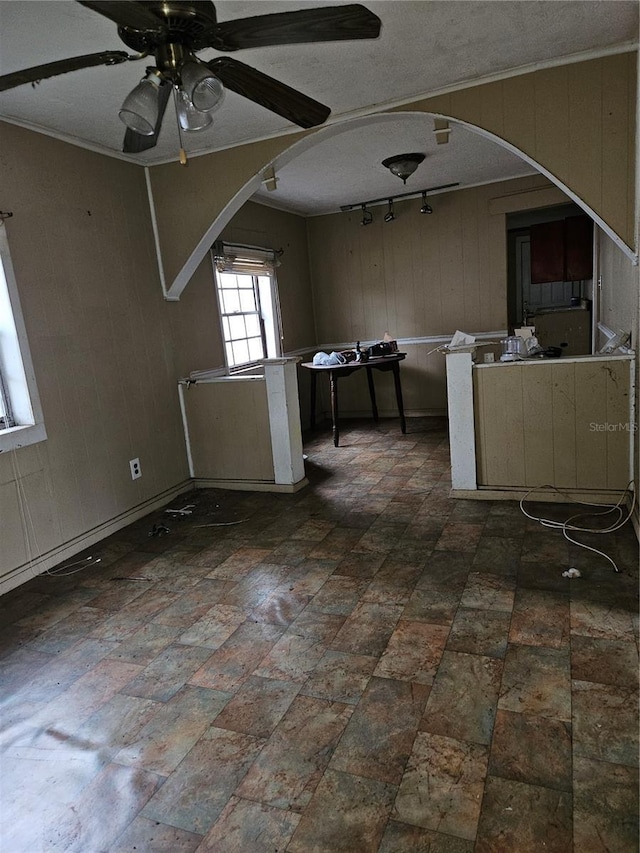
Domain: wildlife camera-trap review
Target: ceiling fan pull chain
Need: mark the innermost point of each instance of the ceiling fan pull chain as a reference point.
(183, 154)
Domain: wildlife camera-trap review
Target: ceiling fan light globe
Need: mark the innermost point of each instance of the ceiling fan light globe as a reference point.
(189, 117)
(208, 95)
(135, 122)
(203, 88)
(141, 107)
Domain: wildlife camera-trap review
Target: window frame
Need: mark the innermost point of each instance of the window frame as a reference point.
(16, 366)
(259, 265)
(228, 335)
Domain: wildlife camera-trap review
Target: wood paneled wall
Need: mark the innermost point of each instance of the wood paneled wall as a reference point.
(195, 318)
(577, 121)
(225, 443)
(188, 199)
(258, 225)
(620, 309)
(417, 276)
(82, 249)
(619, 290)
(554, 423)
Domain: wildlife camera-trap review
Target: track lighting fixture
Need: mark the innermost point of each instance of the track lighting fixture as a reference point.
(390, 215)
(367, 216)
(403, 165)
(426, 208)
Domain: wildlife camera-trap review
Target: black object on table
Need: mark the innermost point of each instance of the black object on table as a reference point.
(335, 371)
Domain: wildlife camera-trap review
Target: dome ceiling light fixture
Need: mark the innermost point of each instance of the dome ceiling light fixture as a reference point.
(403, 165)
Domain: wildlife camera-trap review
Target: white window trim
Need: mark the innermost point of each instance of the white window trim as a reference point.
(260, 263)
(16, 356)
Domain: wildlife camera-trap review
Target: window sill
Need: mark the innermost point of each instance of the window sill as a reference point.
(247, 367)
(21, 436)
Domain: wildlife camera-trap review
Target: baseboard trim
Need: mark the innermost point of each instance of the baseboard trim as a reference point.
(516, 494)
(21, 574)
(250, 485)
(385, 414)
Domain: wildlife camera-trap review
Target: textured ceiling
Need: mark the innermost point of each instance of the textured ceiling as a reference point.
(347, 169)
(423, 47)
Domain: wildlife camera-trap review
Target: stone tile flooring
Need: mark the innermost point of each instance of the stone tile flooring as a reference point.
(367, 665)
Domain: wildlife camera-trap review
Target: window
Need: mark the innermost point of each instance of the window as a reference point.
(248, 301)
(21, 420)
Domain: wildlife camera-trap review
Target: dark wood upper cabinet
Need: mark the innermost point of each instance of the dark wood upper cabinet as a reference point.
(578, 256)
(547, 252)
(562, 250)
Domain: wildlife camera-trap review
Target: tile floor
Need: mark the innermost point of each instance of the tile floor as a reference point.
(367, 665)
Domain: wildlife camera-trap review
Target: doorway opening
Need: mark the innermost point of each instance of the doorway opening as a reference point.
(550, 276)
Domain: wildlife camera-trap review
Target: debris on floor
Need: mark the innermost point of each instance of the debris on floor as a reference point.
(572, 573)
(186, 510)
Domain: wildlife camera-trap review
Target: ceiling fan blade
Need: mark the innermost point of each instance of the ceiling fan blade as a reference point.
(264, 90)
(134, 142)
(62, 66)
(125, 13)
(334, 23)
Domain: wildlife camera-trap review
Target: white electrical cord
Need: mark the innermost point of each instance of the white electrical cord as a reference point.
(442, 348)
(60, 571)
(567, 525)
(28, 527)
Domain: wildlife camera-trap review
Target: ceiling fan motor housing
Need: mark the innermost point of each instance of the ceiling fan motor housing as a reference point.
(180, 23)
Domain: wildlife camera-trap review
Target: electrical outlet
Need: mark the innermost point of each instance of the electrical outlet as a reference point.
(136, 470)
(489, 358)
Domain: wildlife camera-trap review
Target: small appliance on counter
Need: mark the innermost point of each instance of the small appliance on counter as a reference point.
(517, 348)
(514, 348)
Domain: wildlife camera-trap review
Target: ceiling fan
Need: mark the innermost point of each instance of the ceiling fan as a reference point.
(174, 31)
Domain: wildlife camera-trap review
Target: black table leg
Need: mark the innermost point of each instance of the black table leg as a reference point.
(333, 381)
(396, 381)
(372, 394)
(312, 414)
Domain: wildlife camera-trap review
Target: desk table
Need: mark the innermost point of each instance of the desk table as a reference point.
(335, 371)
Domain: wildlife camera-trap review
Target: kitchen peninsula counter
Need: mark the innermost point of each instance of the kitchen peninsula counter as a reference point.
(564, 422)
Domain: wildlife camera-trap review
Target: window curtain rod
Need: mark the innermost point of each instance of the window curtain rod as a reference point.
(220, 246)
(238, 258)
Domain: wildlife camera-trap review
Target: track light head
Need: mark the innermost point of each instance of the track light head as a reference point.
(426, 208)
(367, 216)
(390, 215)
